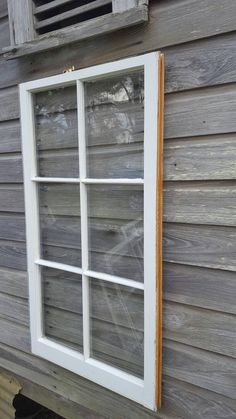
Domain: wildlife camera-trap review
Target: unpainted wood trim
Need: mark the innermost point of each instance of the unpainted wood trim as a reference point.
(159, 229)
(94, 27)
(21, 22)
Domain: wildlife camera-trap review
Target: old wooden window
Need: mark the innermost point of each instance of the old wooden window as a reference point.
(91, 150)
(37, 25)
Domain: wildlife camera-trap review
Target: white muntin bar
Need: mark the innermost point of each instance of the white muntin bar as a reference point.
(59, 266)
(54, 180)
(115, 279)
(84, 218)
(114, 181)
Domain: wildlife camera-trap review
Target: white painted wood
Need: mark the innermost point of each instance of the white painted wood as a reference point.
(55, 180)
(31, 212)
(150, 268)
(115, 279)
(123, 181)
(141, 391)
(84, 218)
(60, 266)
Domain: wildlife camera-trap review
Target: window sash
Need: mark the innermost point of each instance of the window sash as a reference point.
(142, 391)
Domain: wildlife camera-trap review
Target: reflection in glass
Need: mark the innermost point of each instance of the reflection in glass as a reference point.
(56, 132)
(59, 210)
(115, 230)
(115, 126)
(116, 325)
(62, 307)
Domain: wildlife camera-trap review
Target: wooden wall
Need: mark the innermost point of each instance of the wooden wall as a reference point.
(199, 215)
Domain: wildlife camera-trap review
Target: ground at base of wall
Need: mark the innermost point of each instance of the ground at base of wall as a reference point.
(28, 409)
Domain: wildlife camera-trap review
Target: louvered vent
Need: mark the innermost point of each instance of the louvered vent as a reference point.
(51, 15)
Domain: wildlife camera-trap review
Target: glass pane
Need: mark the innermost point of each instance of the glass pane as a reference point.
(115, 227)
(117, 324)
(59, 206)
(62, 307)
(56, 132)
(115, 126)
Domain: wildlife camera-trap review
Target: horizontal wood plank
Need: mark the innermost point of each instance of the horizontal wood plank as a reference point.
(201, 112)
(214, 56)
(212, 203)
(200, 328)
(200, 158)
(14, 282)
(201, 287)
(12, 198)
(201, 368)
(206, 246)
(184, 400)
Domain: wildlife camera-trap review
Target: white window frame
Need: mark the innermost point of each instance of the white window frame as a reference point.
(142, 391)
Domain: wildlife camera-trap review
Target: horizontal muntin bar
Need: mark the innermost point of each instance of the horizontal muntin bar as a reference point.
(110, 181)
(60, 266)
(115, 279)
(89, 181)
(96, 275)
(55, 179)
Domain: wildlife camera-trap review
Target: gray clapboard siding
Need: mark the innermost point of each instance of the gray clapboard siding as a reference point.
(81, 391)
(181, 400)
(14, 309)
(215, 57)
(12, 255)
(202, 368)
(12, 227)
(9, 104)
(200, 328)
(14, 335)
(192, 113)
(12, 198)
(200, 203)
(201, 112)
(200, 158)
(201, 287)
(10, 137)
(11, 169)
(14, 282)
(207, 62)
(206, 246)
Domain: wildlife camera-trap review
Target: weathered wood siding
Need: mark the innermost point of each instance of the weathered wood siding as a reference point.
(199, 352)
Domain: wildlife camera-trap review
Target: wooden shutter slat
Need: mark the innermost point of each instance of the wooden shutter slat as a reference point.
(52, 5)
(71, 13)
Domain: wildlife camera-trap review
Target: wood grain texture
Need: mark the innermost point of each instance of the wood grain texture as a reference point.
(181, 400)
(12, 198)
(202, 63)
(79, 32)
(4, 33)
(200, 287)
(14, 282)
(200, 328)
(206, 246)
(209, 157)
(212, 203)
(202, 368)
(201, 112)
